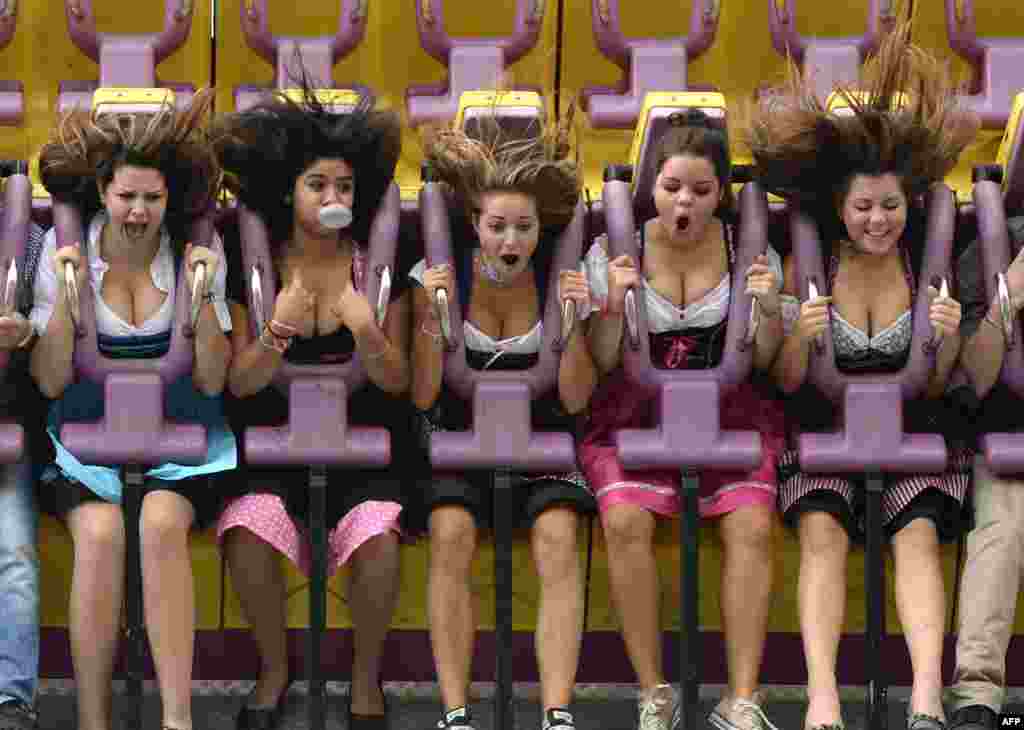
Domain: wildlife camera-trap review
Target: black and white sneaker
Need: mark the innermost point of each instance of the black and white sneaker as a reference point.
(16, 715)
(558, 718)
(457, 719)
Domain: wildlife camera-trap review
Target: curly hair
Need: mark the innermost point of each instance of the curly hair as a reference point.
(537, 166)
(905, 120)
(85, 150)
(266, 148)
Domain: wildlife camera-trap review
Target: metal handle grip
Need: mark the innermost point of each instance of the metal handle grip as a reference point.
(1005, 310)
(198, 293)
(632, 319)
(71, 292)
(444, 316)
(10, 303)
(933, 345)
(812, 293)
(256, 286)
(753, 324)
(568, 323)
(383, 295)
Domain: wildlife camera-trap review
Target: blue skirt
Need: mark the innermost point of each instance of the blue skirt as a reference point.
(84, 401)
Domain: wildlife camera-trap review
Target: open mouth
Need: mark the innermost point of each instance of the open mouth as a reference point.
(510, 259)
(682, 223)
(134, 230)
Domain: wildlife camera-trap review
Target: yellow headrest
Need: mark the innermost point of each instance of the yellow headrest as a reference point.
(711, 103)
(839, 105)
(1010, 136)
(127, 100)
(480, 99)
(333, 100)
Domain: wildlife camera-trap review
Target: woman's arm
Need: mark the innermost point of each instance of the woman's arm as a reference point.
(51, 364)
(253, 364)
(384, 352)
(212, 347)
(577, 375)
(427, 349)
(790, 368)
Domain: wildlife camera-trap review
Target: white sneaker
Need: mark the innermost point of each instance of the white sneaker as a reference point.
(659, 708)
(736, 714)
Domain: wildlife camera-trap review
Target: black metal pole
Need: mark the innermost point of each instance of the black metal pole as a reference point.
(874, 571)
(135, 636)
(689, 631)
(317, 595)
(503, 715)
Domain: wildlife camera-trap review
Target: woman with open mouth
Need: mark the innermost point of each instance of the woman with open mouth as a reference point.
(862, 177)
(685, 274)
(519, 195)
(140, 181)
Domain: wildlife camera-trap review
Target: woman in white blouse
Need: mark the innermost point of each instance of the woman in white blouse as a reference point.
(143, 179)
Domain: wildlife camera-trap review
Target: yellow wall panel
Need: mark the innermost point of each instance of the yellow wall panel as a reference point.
(56, 551)
(42, 34)
(377, 61)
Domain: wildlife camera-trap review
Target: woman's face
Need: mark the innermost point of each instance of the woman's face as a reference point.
(136, 201)
(327, 182)
(509, 229)
(874, 212)
(686, 194)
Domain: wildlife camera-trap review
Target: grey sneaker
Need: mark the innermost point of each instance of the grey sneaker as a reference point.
(15, 715)
(457, 719)
(659, 708)
(921, 721)
(736, 714)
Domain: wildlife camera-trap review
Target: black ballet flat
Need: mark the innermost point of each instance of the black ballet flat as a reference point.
(260, 718)
(368, 722)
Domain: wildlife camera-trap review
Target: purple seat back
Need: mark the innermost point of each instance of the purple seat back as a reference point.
(472, 63)
(317, 431)
(14, 223)
(996, 63)
(12, 100)
(319, 54)
(127, 60)
(502, 433)
(872, 437)
(133, 429)
(648, 64)
(1013, 175)
(1003, 451)
(825, 61)
(689, 433)
(996, 254)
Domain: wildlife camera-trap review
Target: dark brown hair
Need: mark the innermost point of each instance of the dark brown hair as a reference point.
(86, 150)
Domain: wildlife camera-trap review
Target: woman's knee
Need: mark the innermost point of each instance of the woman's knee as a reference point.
(822, 535)
(452, 533)
(627, 527)
(553, 538)
(97, 528)
(919, 537)
(750, 528)
(165, 521)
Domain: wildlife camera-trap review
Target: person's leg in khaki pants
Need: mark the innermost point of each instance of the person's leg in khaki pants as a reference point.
(988, 596)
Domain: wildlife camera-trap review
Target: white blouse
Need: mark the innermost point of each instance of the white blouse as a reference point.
(161, 271)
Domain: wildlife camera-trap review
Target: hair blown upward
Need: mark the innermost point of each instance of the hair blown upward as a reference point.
(85, 150)
(265, 149)
(537, 166)
(807, 154)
